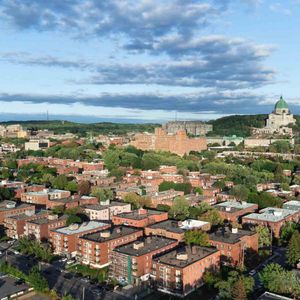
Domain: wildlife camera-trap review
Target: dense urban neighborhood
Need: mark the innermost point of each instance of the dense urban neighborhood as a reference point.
(173, 212)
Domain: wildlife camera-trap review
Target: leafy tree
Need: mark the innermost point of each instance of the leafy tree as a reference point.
(6, 194)
(287, 231)
(163, 207)
(264, 200)
(167, 185)
(38, 282)
(102, 194)
(238, 290)
(196, 237)
(73, 219)
(264, 236)
(84, 188)
(180, 208)
(72, 186)
(293, 250)
(240, 192)
(60, 182)
(198, 190)
(137, 201)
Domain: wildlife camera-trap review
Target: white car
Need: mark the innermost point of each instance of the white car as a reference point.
(252, 273)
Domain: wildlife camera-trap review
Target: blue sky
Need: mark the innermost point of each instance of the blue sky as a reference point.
(147, 60)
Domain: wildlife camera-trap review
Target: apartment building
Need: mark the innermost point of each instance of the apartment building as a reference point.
(232, 211)
(165, 197)
(10, 208)
(65, 239)
(94, 249)
(42, 197)
(105, 210)
(140, 217)
(132, 262)
(180, 271)
(272, 217)
(234, 244)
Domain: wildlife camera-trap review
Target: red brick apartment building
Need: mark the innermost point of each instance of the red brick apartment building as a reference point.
(234, 244)
(65, 239)
(71, 202)
(132, 262)
(211, 191)
(28, 188)
(177, 178)
(272, 217)
(165, 197)
(42, 197)
(140, 218)
(94, 249)
(11, 208)
(233, 210)
(39, 228)
(175, 230)
(180, 271)
(15, 225)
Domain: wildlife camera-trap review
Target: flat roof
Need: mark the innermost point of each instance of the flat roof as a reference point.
(271, 296)
(73, 229)
(169, 225)
(101, 207)
(228, 237)
(46, 220)
(292, 203)
(272, 214)
(194, 254)
(114, 233)
(3, 206)
(149, 244)
(233, 206)
(135, 215)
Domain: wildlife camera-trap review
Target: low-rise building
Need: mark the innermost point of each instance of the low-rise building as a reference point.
(292, 205)
(164, 197)
(233, 210)
(132, 262)
(65, 239)
(71, 202)
(10, 208)
(180, 271)
(234, 244)
(140, 217)
(105, 210)
(94, 249)
(39, 228)
(36, 145)
(272, 217)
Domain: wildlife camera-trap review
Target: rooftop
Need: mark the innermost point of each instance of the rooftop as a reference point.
(112, 233)
(140, 214)
(292, 205)
(233, 206)
(271, 296)
(271, 214)
(100, 206)
(8, 205)
(46, 220)
(75, 228)
(169, 225)
(229, 237)
(189, 255)
(145, 245)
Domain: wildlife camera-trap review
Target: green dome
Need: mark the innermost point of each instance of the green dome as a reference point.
(281, 104)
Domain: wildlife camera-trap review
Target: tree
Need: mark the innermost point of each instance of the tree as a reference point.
(84, 188)
(73, 219)
(238, 290)
(212, 216)
(196, 237)
(287, 231)
(37, 281)
(293, 250)
(71, 186)
(180, 208)
(163, 207)
(264, 236)
(137, 201)
(102, 194)
(240, 192)
(198, 190)
(60, 182)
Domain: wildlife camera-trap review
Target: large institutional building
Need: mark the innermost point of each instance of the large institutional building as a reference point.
(178, 142)
(196, 128)
(278, 121)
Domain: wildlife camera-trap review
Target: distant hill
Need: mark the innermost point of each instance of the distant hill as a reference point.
(239, 125)
(59, 126)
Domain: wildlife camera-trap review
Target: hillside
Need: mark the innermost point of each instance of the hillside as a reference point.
(80, 128)
(239, 125)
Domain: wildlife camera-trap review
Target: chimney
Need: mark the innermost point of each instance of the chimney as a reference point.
(138, 245)
(182, 256)
(227, 208)
(234, 230)
(105, 234)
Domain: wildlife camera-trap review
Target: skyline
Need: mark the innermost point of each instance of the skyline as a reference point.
(147, 61)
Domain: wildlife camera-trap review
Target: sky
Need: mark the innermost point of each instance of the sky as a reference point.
(147, 60)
